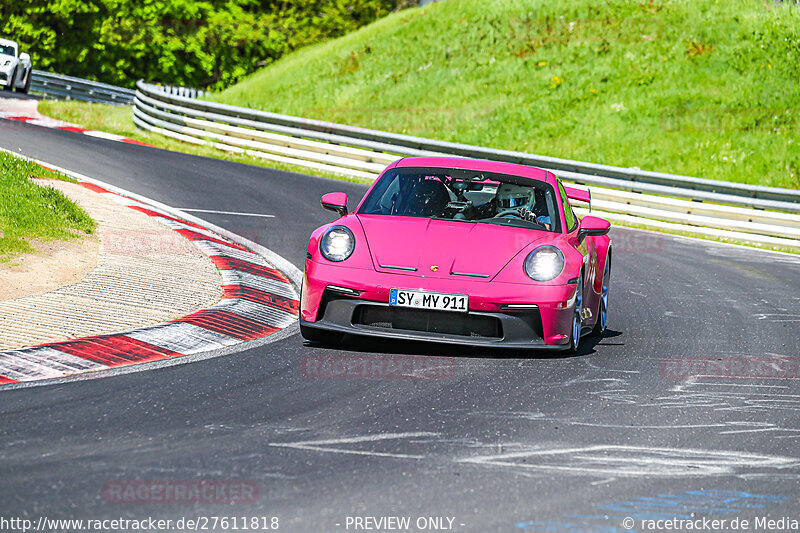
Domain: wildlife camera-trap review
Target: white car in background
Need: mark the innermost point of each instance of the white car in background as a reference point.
(15, 68)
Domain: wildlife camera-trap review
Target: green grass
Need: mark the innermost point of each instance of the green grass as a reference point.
(704, 88)
(31, 212)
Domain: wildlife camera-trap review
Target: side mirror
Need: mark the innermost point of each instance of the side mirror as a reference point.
(24, 57)
(335, 201)
(593, 226)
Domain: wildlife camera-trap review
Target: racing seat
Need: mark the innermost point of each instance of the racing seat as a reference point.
(540, 209)
(540, 204)
(426, 199)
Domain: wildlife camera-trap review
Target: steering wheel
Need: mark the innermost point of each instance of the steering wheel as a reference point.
(508, 213)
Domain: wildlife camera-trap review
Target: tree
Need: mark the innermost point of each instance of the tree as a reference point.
(206, 44)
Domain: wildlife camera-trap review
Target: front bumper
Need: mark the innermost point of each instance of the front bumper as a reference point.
(5, 76)
(544, 325)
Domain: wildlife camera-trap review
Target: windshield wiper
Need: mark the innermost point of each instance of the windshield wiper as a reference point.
(516, 222)
(452, 219)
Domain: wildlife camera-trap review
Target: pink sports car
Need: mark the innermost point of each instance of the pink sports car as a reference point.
(459, 251)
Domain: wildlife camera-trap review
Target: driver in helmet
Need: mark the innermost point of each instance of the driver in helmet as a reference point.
(521, 201)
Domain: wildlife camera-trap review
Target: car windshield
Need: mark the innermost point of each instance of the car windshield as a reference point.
(8, 50)
(464, 196)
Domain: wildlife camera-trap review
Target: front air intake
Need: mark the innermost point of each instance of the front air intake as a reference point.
(422, 320)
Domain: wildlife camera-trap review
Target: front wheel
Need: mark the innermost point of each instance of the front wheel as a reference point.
(320, 336)
(602, 311)
(27, 87)
(577, 318)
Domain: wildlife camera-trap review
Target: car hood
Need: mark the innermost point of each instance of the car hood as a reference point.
(439, 248)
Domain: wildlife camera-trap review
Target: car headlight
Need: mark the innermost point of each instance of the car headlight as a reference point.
(337, 243)
(544, 263)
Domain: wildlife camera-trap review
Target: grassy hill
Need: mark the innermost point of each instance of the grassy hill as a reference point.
(708, 88)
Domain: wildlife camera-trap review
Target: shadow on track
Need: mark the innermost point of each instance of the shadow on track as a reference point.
(17, 96)
(363, 345)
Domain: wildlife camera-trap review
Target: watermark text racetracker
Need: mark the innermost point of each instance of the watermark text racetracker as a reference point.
(45, 524)
(225, 492)
(377, 367)
(759, 523)
(730, 367)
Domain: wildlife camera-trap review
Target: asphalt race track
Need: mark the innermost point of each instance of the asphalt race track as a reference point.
(5, 93)
(498, 441)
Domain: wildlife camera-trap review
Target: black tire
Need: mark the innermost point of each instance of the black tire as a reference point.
(320, 336)
(602, 309)
(27, 83)
(575, 331)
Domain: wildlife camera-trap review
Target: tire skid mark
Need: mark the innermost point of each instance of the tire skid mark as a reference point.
(604, 462)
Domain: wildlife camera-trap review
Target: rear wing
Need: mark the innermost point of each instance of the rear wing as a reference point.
(579, 195)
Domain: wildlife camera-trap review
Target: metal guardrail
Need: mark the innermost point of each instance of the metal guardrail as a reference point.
(183, 91)
(712, 208)
(62, 87)
(593, 174)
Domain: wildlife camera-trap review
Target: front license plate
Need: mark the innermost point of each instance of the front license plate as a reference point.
(429, 300)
